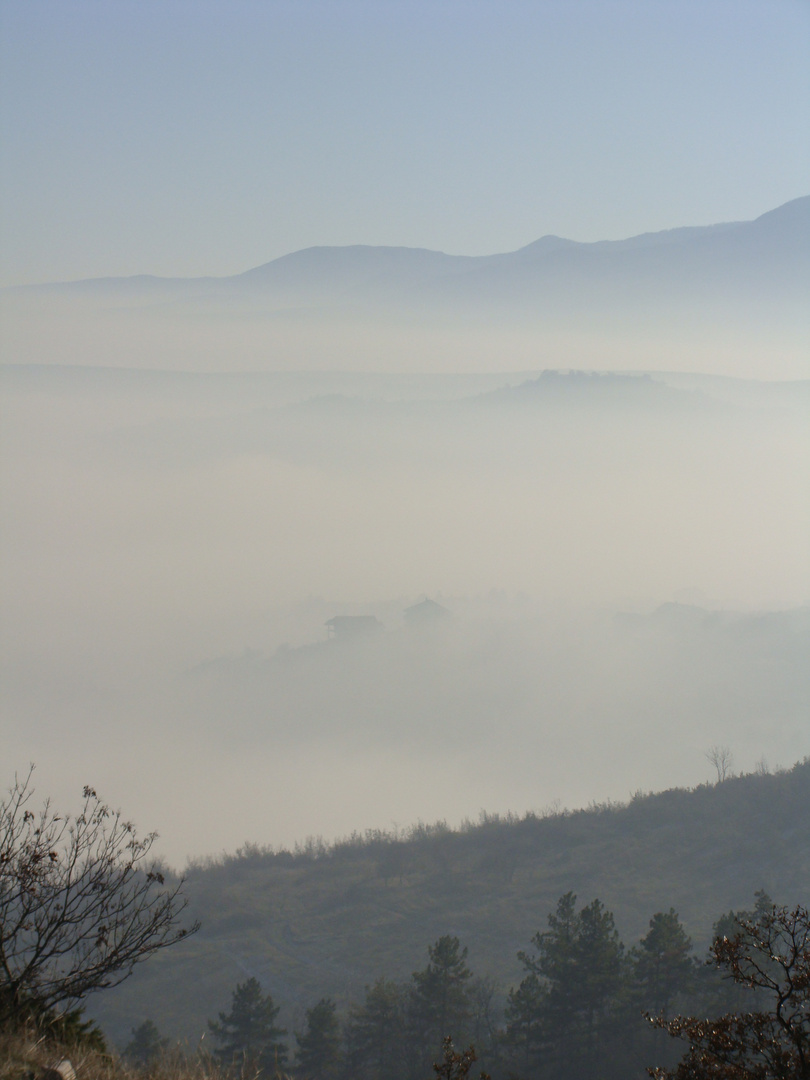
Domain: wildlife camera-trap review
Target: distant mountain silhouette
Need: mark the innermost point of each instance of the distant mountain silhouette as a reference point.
(781, 236)
(655, 297)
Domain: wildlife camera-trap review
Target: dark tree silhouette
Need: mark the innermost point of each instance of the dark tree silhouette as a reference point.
(248, 1035)
(80, 904)
(440, 1001)
(146, 1045)
(375, 1035)
(663, 966)
(318, 1054)
(565, 1017)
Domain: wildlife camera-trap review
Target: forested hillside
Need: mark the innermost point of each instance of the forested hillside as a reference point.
(331, 920)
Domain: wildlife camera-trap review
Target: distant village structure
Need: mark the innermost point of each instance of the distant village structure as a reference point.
(353, 626)
(419, 616)
(425, 613)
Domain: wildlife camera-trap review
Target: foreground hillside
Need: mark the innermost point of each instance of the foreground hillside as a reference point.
(329, 920)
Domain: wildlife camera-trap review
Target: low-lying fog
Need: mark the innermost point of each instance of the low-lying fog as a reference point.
(623, 562)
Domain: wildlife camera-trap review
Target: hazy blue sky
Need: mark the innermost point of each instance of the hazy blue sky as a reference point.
(208, 137)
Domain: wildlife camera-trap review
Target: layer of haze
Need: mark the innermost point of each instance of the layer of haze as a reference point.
(724, 299)
(189, 138)
(174, 544)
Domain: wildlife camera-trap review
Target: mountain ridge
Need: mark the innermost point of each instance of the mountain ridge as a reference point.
(544, 245)
(727, 299)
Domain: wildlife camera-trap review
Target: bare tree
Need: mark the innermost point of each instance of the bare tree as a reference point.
(455, 1066)
(769, 955)
(80, 902)
(722, 759)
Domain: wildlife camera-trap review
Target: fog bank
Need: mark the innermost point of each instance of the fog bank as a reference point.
(623, 562)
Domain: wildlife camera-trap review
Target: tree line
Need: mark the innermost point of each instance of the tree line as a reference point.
(587, 1008)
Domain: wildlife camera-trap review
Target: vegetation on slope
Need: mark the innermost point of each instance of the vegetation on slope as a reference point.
(329, 920)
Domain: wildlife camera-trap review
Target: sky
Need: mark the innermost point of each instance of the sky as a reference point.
(186, 139)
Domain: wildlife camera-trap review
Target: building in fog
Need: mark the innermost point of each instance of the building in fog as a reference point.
(353, 626)
(425, 613)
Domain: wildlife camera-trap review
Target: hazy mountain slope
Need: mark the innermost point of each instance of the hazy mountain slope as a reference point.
(783, 235)
(778, 243)
(715, 292)
(328, 921)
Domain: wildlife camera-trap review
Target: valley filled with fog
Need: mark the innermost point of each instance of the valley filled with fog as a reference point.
(404, 540)
(621, 561)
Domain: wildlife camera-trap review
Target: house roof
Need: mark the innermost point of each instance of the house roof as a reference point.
(425, 611)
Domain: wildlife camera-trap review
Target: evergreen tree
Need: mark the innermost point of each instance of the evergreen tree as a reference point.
(665, 976)
(579, 993)
(484, 1033)
(440, 1002)
(601, 976)
(318, 1054)
(248, 1034)
(375, 1036)
(146, 1045)
(524, 1015)
(663, 967)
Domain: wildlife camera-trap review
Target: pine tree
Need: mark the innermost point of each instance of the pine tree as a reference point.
(375, 1036)
(248, 1033)
(665, 975)
(440, 1000)
(146, 1045)
(318, 1053)
(579, 968)
(524, 1016)
(663, 967)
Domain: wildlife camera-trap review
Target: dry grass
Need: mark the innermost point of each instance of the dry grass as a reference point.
(26, 1055)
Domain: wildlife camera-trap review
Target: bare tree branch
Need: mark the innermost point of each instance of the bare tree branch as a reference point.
(722, 759)
(771, 953)
(81, 902)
